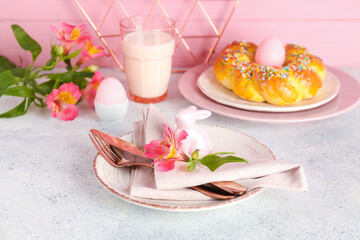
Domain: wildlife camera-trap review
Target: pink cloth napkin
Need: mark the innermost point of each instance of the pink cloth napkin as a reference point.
(172, 185)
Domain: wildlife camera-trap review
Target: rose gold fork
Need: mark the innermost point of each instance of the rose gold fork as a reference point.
(115, 157)
(112, 150)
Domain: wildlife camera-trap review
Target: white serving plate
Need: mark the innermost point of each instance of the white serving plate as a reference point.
(118, 180)
(213, 89)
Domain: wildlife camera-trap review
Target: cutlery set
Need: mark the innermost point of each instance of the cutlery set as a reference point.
(120, 153)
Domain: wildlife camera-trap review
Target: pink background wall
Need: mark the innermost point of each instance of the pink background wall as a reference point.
(328, 28)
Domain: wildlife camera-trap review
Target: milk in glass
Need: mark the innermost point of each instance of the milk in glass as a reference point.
(147, 59)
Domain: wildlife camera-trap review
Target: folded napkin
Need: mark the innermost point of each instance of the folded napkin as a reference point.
(172, 185)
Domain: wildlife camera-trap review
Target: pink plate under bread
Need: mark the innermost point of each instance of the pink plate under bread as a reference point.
(347, 98)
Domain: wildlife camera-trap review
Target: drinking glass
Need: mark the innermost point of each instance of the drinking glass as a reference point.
(147, 44)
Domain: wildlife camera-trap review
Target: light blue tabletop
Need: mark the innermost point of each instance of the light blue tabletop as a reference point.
(48, 189)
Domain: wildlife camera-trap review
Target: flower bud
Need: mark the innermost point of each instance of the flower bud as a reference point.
(59, 50)
(92, 68)
(195, 154)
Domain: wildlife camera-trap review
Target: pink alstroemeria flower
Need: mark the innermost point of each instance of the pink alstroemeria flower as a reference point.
(90, 51)
(62, 101)
(89, 92)
(70, 35)
(166, 152)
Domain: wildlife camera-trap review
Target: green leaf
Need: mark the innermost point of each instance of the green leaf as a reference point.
(18, 72)
(35, 87)
(19, 110)
(82, 83)
(77, 78)
(5, 64)
(18, 91)
(213, 161)
(67, 77)
(47, 87)
(73, 55)
(6, 80)
(209, 160)
(26, 42)
(68, 64)
(220, 153)
(53, 51)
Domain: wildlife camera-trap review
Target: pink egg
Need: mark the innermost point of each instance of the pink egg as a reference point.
(110, 92)
(270, 52)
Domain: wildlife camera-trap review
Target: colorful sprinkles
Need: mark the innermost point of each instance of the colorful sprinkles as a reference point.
(237, 53)
(239, 57)
(267, 72)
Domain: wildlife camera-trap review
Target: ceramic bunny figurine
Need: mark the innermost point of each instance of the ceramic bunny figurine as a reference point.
(197, 138)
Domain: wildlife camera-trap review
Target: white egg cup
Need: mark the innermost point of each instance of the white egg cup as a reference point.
(115, 112)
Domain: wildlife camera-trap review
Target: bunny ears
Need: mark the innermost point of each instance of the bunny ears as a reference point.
(191, 114)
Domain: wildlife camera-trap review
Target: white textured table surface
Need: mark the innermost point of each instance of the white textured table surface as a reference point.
(48, 189)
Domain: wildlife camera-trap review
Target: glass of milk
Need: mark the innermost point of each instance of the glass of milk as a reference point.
(147, 44)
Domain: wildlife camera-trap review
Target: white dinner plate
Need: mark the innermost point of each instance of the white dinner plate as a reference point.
(213, 89)
(118, 180)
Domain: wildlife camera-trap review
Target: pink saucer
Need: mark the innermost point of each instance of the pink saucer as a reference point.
(347, 98)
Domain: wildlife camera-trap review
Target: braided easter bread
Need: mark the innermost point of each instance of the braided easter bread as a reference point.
(299, 78)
